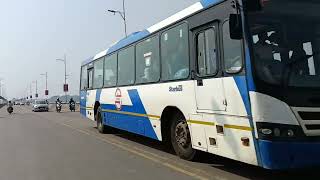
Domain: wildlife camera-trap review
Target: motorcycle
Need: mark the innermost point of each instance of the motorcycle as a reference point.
(10, 110)
(58, 106)
(72, 107)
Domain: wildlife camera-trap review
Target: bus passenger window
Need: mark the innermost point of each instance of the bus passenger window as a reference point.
(206, 50)
(98, 73)
(126, 68)
(148, 61)
(84, 78)
(90, 76)
(232, 51)
(110, 71)
(175, 53)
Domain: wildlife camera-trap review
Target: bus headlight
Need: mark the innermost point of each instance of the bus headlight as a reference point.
(273, 131)
(290, 133)
(266, 131)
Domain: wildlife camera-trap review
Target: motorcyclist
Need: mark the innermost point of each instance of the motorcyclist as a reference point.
(71, 102)
(10, 108)
(58, 105)
(58, 101)
(10, 104)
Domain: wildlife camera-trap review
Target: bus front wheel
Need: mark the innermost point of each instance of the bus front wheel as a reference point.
(100, 126)
(181, 139)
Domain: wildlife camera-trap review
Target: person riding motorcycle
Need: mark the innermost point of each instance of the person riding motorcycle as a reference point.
(71, 104)
(10, 108)
(58, 104)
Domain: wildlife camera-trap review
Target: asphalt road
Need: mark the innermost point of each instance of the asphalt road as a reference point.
(65, 146)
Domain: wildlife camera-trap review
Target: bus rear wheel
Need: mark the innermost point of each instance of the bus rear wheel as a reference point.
(181, 139)
(99, 119)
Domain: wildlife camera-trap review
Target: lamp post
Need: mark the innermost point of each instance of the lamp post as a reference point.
(65, 75)
(36, 82)
(30, 91)
(123, 16)
(46, 90)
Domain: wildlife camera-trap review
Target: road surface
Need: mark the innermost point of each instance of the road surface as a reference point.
(50, 146)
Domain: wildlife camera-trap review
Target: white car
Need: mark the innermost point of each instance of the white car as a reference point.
(40, 105)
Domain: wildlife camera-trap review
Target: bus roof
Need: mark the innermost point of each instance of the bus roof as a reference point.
(136, 36)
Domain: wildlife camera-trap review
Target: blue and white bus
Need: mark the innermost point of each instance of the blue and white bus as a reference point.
(235, 78)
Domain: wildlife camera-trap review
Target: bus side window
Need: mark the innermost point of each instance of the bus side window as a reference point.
(110, 71)
(175, 53)
(98, 73)
(232, 51)
(207, 53)
(126, 70)
(90, 78)
(84, 78)
(148, 60)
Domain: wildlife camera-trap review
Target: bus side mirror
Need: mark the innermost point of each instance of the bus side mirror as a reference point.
(235, 26)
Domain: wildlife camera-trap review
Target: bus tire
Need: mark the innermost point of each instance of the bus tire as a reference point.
(180, 138)
(100, 126)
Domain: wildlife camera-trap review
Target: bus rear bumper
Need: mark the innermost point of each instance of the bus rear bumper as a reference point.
(289, 155)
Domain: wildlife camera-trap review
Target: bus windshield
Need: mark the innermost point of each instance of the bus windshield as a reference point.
(286, 42)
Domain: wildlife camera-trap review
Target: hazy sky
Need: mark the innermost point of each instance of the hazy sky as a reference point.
(33, 33)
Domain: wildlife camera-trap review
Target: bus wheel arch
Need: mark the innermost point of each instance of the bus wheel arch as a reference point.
(171, 118)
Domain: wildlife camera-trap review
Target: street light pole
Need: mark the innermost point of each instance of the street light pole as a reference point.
(65, 72)
(36, 82)
(30, 91)
(123, 16)
(46, 75)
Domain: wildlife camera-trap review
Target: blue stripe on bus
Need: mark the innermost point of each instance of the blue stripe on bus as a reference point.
(130, 39)
(207, 3)
(134, 124)
(242, 86)
(289, 154)
(251, 85)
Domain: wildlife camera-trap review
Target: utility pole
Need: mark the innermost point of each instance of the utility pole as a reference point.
(65, 86)
(36, 95)
(46, 90)
(124, 18)
(30, 91)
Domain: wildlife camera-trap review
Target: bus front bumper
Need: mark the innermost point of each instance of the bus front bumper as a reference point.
(289, 155)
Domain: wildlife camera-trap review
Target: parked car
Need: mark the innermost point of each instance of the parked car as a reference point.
(40, 105)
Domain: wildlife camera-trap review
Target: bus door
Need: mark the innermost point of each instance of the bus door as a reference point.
(209, 88)
(90, 95)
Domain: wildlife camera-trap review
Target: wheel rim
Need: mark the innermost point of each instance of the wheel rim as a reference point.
(182, 135)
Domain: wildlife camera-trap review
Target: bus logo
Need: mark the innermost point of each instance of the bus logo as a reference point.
(118, 101)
